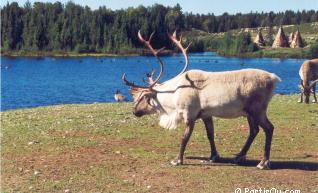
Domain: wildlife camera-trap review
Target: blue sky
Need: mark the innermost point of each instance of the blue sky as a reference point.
(201, 6)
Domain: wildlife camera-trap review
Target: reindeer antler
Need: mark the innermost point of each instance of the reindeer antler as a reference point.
(130, 83)
(155, 53)
(312, 84)
(147, 43)
(150, 76)
(178, 43)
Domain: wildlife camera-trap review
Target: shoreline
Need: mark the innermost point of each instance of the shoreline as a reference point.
(280, 53)
(88, 54)
(69, 54)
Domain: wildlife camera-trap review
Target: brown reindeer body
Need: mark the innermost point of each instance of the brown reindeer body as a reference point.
(308, 73)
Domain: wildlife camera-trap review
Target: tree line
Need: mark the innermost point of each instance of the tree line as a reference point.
(73, 28)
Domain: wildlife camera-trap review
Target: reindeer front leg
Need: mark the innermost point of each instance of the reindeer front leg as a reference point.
(184, 141)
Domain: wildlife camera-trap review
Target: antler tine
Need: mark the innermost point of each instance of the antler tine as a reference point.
(151, 35)
(312, 84)
(178, 43)
(160, 73)
(175, 34)
(140, 37)
(155, 53)
(147, 43)
(149, 76)
(153, 72)
(131, 84)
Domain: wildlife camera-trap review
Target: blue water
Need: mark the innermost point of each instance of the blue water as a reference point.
(32, 82)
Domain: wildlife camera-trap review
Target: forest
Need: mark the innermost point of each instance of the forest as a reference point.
(57, 27)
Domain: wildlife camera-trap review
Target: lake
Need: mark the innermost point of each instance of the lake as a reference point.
(31, 82)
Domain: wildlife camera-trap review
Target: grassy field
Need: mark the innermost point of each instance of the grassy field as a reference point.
(104, 148)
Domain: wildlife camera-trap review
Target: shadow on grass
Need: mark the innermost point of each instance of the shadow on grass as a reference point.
(275, 165)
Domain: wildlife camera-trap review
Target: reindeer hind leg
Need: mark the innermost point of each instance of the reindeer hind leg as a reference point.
(254, 129)
(268, 129)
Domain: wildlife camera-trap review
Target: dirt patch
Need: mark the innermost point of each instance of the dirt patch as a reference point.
(148, 174)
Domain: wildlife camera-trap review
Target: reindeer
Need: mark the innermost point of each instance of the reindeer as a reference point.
(197, 94)
(308, 73)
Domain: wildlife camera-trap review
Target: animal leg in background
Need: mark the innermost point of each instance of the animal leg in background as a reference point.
(208, 122)
(314, 93)
(301, 92)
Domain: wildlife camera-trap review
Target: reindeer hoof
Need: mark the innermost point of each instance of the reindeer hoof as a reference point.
(299, 101)
(264, 165)
(214, 158)
(176, 162)
(239, 159)
(314, 101)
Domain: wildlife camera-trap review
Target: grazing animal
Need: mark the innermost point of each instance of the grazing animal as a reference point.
(119, 97)
(197, 94)
(308, 73)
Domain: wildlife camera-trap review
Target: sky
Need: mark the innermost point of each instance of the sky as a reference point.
(217, 7)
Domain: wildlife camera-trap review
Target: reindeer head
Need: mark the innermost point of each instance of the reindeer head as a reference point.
(307, 90)
(145, 98)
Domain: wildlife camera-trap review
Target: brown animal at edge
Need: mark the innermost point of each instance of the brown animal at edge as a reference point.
(197, 94)
(308, 73)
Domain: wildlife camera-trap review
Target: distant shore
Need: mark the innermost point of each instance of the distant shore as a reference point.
(138, 52)
(267, 53)
(62, 54)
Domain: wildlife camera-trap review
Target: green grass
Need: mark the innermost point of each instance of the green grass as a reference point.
(104, 148)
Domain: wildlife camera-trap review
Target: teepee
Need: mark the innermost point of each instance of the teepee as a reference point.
(297, 41)
(259, 40)
(280, 39)
(291, 37)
